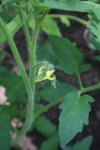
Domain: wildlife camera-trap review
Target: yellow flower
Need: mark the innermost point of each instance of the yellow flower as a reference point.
(49, 75)
(40, 71)
(45, 74)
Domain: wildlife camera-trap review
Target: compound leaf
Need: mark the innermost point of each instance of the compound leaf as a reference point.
(74, 114)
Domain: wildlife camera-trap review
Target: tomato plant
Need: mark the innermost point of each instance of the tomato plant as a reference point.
(39, 81)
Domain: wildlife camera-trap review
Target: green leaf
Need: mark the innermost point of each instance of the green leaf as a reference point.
(50, 26)
(44, 50)
(81, 6)
(51, 144)
(74, 114)
(45, 127)
(13, 84)
(5, 129)
(84, 144)
(53, 94)
(67, 54)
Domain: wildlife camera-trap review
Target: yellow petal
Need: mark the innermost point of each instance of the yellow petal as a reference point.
(41, 70)
(49, 73)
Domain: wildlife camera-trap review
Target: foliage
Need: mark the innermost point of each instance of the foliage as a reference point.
(35, 84)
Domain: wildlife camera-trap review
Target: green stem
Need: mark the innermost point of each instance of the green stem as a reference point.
(90, 88)
(30, 105)
(79, 79)
(33, 54)
(29, 118)
(75, 18)
(38, 22)
(33, 59)
(16, 55)
(32, 62)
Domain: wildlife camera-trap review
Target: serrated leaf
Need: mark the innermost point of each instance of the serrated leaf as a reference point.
(51, 144)
(45, 126)
(84, 144)
(50, 26)
(13, 84)
(53, 94)
(67, 54)
(74, 114)
(5, 129)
